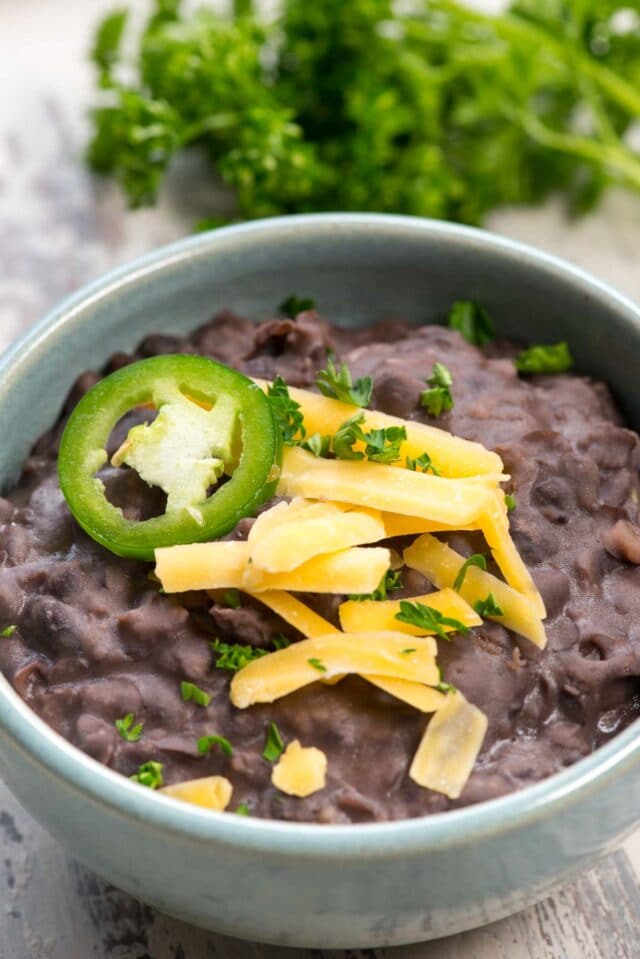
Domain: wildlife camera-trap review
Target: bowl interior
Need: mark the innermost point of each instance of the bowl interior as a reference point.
(359, 269)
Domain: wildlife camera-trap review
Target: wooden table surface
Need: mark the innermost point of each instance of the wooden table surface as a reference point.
(59, 229)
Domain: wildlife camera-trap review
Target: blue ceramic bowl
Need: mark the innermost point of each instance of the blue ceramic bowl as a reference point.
(313, 885)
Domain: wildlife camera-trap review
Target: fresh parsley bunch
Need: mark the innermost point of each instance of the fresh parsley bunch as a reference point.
(424, 108)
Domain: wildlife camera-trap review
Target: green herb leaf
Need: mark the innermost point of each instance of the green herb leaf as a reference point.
(280, 641)
(406, 652)
(317, 444)
(127, 730)
(150, 775)
(445, 688)
(438, 399)
(472, 322)
(193, 693)
(232, 599)
(317, 664)
(390, 580)
(545, 359)
(427, 618)
(381, 446)
(510, 502)
(293, 305)
(287, 412)
(243, 809)
(476, 559)
(488, 607)
(233, 656)
(274, 747)
(422, 463)
(106, 46)
(8, 631)
(346, 436)
(206, 744)
(337, 383)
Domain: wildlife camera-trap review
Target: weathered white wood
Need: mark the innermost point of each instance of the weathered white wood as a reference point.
(59, 229)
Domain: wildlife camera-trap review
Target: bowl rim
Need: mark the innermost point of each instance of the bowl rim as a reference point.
(39, 744)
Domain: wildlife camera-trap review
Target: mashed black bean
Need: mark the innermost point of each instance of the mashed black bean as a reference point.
(95, 639)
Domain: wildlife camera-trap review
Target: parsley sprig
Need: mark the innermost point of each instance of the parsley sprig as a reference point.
(438, 399)
(430, 619)
(472, 322)
(337, 383)
(391, 580)
(545, 359)
(288, 414)
(476, 559)
(488, 606)
(127, 730)
(422, 464)
(381, 445)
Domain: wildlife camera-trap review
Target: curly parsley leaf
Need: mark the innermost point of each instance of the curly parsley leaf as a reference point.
(206, 743)
(476, 559)
(438, 399)
(233, 656)
(430, 619)
(317, 444)
(129, 732)
(488, 607)
(274, 746)
(472, 322)
(380, 445)
(422, 463)
(150, 775)
(391, 580)
(288, 414)
(545, 359)
(293, 305)
(105, 52)
(337, 384)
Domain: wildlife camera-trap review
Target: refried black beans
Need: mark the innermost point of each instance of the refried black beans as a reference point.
(95, 639)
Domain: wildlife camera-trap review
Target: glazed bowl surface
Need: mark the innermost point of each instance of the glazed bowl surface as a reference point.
(306, 884)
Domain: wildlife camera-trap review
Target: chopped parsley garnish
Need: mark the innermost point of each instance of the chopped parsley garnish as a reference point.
(438, 399)
(338, 384)
(510, 502)
(488, 607)
(296, 304)
(390, 580)
(193, 693)
(233, 656)
(232, 599)
(545, 359)
(427, 618)
(287, 412)
(317, 444)
(280, 641)
(422, 463)
(127, 730)
(243, 809)
(445, 688)
(8, 631)
(472, 322)
(381, 446)
(206, 744)
(150, 775)
(409, 650)
(317, 664)
(476, 559)
(273, 747)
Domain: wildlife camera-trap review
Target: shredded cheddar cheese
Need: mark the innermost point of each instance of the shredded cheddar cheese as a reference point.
(212, 792)
(358, 615)
(300, 771)
(449, 747)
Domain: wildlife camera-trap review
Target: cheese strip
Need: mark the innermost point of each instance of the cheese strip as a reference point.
(449, 747)
(379, 654)
(225, 565)
(441, 564)
(300, 771)
(495, 526)
(212, 792)
(494, 523)
(452, 456)
(289, 534)
(297, 614)
(362, 615)
(377, 486)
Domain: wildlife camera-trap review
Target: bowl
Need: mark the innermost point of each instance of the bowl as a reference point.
(306, 884)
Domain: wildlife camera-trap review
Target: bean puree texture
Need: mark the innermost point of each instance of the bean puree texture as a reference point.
(96, 640)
